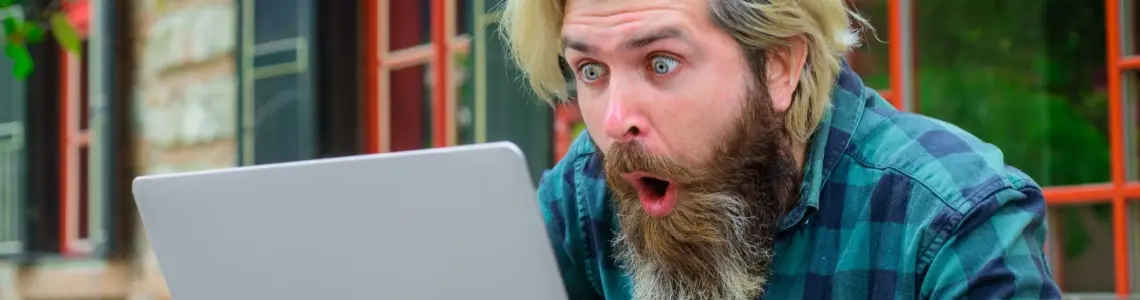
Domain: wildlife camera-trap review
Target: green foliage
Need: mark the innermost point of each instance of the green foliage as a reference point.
(19, 31)
(1024, 75)
(65, 34)
(578, 128)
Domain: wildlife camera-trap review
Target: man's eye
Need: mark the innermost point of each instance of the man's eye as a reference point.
(663, 65)
(591, 72)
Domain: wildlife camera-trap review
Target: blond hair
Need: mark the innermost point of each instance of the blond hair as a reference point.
(532, 30)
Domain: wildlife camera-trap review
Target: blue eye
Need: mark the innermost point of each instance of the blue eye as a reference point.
(591, 72)
(663, 64)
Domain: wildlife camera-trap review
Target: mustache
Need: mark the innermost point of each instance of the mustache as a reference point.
(628, 157)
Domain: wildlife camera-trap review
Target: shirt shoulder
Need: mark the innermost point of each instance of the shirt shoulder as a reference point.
(572, 196)
(956, 191)
(941, 159)
(563, 179)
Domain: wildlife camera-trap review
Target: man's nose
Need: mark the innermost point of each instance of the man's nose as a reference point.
(623, 121)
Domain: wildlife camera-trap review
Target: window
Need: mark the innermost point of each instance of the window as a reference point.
(278, 99)
(12, 166)
(54, 184)
(506, 109)
(299, 81)
(406, 108)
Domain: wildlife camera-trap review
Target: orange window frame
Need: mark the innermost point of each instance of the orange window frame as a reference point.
(381, 61)
(73, 139)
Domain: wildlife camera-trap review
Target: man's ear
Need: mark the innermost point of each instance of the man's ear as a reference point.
(785, 66)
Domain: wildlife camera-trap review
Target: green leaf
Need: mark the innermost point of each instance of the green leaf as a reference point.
(22, 60)
(11, 24)
(33, 33)
(7, 3)
(64, 33)
(10, 51)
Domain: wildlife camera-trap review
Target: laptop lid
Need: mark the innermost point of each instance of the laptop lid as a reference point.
(448, 223)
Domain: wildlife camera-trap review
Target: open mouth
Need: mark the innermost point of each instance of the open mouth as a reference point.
(658, 195)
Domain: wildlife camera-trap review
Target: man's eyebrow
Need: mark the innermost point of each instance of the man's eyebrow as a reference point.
(633, 43)
(654, 36)
(579, 46)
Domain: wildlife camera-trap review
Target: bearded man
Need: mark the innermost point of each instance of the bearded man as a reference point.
(731, 153)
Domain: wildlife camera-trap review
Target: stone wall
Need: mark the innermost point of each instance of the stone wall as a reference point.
(186, 90)
(186, 98)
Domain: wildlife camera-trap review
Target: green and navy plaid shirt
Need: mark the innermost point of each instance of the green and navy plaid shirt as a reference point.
(893, 205)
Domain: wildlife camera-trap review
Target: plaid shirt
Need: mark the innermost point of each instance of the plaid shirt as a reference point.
(893, 205)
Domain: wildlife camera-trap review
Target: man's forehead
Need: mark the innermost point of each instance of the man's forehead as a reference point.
(632, 40)
(615, 12)
(619, 3)
(627, 24)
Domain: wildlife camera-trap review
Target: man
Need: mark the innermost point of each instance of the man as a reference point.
(730, 153)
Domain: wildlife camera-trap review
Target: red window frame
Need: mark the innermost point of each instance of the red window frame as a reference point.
(382, 61)
(74, 140)
(74, 148)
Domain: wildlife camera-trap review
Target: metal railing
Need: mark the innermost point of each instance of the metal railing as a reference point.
(11, 181)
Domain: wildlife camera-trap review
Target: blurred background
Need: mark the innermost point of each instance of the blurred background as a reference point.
(160, 86)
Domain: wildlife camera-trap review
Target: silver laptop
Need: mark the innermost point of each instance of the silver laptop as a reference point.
(449, 223)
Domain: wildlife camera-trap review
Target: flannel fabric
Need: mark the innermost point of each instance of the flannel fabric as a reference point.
(893, 205)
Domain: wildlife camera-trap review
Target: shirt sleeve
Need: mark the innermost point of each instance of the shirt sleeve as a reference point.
(557, 202)
(996, 251)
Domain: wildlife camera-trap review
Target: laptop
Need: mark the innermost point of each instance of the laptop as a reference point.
(446, 223)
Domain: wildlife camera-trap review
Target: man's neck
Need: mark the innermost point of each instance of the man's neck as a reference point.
(799, 153)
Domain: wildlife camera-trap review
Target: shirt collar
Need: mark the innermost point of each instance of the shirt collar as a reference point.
(828, 143)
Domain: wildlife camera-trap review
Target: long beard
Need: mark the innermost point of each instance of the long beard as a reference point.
(717, 242)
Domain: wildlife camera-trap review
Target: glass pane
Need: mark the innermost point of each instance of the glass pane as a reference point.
(408, 24)
(464, 67)
(1130, 82)
(1027, 76)
(284, 113)
(1084, 240)
(84, 90)
(12, 159)
(872, 60)
(1130, 27)
(283, 132)
(408, 109)
(11, 93)
(464, 88)
(464, 17)
(11, 192)
(268, 16)
(513, 113)
(1133, 231)
(84, 194)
